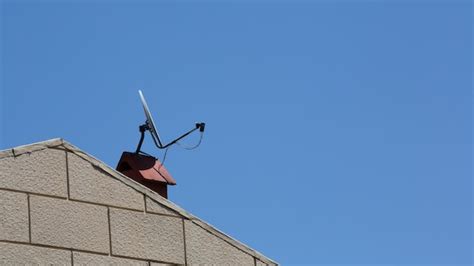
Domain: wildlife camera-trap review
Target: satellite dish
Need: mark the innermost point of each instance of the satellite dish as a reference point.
(149, 120)
(151, 126)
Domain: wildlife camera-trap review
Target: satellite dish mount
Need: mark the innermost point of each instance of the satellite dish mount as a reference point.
(150, 126)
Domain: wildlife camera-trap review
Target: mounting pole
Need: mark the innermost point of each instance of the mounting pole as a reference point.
(142, 129)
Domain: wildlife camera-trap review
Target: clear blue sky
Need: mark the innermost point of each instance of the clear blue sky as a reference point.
(337, 133)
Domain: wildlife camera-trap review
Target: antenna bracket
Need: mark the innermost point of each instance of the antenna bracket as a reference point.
(143, 128)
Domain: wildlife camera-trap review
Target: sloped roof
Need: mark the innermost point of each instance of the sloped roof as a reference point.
(62, 144)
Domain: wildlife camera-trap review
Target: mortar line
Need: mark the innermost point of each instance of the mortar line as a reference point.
(67, 175)
(110, 232)
(31, 193)
(146, 260)
(144, 203)
(29, 218)
(124, 208)
(184, 241)
(53, 247)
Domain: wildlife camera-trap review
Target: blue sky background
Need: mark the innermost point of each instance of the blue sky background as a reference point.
(337, 132)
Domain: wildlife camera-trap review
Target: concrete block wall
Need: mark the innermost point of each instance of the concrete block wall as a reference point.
(56, 207)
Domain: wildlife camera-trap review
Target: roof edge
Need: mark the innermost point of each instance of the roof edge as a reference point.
(63, 144)
(29, 148)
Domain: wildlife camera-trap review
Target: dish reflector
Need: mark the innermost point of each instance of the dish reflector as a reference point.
(149, 119)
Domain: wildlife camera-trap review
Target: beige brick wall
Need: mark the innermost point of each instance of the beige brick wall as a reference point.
(154, 237)
(19, 254)
(154, 207)
(106, 190)
(81, 258)
(202, 247)
(14, 216)
(42, 172)
(69, 224)
(259, 263)
(58, 208)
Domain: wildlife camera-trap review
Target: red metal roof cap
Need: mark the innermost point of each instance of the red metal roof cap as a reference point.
(144, 167)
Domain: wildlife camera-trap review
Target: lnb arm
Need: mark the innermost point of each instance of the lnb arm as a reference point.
(158, 142)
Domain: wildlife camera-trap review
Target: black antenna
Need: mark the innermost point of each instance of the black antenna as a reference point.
(150, 126)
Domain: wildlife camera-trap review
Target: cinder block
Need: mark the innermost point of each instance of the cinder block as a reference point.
(13, 216)
(69, 224)
(155, 207)
(18, 254)
(202, 247)
(260, 263)
(42, 172)
(81, 258)
(148, 236)
(90, 184)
